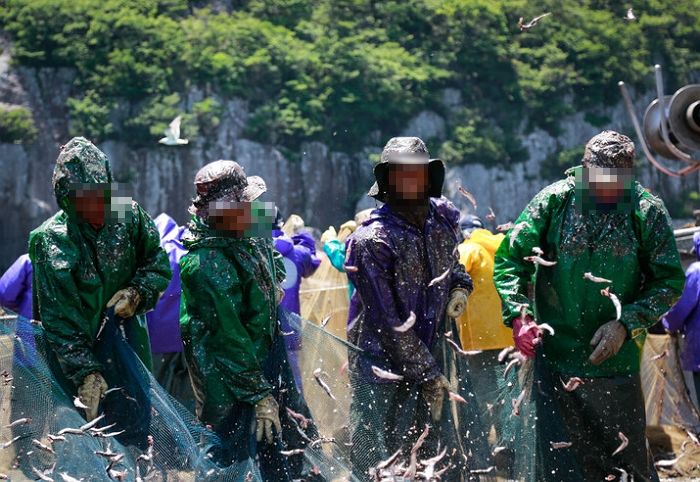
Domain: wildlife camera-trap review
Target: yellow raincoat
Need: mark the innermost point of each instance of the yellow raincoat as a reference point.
(481, 325)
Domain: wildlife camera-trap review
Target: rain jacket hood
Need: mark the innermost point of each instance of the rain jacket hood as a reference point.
(633, 247)
(228, 317)
(79, 162)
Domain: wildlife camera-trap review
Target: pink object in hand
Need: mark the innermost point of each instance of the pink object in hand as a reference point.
(526, 335)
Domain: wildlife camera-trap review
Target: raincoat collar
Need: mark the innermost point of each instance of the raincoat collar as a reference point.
(387, 213)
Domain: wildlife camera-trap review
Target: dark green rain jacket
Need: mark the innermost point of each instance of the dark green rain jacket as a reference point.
(77, 269)
(632, 246)
(228, 317)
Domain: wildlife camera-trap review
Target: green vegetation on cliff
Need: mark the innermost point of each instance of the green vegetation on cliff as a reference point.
(340, 71)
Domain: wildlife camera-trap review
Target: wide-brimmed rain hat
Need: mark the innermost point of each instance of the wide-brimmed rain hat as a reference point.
(406, 150)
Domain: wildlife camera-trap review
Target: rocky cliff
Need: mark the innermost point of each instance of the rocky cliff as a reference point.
(325, 187)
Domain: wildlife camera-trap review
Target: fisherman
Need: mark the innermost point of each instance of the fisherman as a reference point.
(96, 253)
(230, 293)
(617, 271)
(403, 264)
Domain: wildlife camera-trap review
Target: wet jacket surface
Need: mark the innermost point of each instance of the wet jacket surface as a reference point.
(77, 268)
(164, 320)
(16, 287)
(481, 325)
(685, 314)
(634, 248)
(300, 261)
(396, 261)
(228, 317)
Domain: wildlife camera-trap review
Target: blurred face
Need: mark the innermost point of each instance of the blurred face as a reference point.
(408, 182)
(607, 185)
(229, 217)
(90, 205)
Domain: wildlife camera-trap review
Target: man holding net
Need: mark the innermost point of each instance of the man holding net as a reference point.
(230, 292)
(606, 268)
(404, 266)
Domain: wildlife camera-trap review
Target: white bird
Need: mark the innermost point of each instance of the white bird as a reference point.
(172, 134)
(630, 17)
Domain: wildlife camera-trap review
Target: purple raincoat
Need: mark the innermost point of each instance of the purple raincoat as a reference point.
(300, 261)
(685, 314)
(396, 261)
(164, 320)
(16, 287)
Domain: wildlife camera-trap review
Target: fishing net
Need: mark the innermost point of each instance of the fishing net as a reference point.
(146, 433)
(667, 399)
(325, 294)
(673, 421)
(558, 428)
(370, 421)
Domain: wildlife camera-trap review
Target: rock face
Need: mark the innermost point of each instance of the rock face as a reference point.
(323, 186)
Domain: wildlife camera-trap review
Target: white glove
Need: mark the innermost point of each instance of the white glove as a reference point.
(125, 302)
(266, 417)
(457, 303)
(91, 392)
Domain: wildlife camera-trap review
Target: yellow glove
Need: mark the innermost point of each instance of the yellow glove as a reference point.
(125, 302)
(91, 392)
(329, 235)
(266, 417)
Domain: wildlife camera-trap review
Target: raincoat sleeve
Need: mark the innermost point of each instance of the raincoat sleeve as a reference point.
(512, 273)
(14, 283)
(305, 245)
(215, 292)
(59, 308)
(335, 250)
(153, 273)
(373, 280)
(660, 264)
(676, 317)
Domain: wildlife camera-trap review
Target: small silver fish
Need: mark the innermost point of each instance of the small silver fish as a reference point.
(386, 375)
(540, 261)
(596, 279)
(444, 275)
(623, 445)
(406, 325)
(560, 445)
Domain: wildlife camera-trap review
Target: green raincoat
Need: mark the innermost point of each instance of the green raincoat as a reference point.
(633, 246)
(228, 317)
(77, 269)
